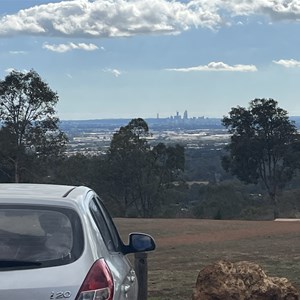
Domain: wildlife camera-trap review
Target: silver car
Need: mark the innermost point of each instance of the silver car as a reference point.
(59, 242)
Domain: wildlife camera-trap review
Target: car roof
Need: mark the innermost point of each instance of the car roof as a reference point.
(37, 192)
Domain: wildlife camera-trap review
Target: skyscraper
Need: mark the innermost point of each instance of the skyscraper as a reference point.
(185, 115)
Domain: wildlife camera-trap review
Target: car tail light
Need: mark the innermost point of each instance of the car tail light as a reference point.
(98, 284)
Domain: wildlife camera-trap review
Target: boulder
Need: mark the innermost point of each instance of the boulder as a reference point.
(243, 280)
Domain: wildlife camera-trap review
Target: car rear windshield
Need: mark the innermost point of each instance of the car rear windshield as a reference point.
(36, 237)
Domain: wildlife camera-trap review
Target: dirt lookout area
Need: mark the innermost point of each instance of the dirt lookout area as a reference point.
(186, 246)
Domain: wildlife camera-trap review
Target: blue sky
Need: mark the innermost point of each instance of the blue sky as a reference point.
(138, 58)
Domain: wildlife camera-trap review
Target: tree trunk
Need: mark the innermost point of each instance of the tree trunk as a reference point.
(275, 205)
(17, 175)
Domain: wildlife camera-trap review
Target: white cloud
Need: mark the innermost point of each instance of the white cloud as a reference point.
(9, 70)
(288, 63)
(275, 9)
(115, 72)
(108, 18)
(218, 66)
(70, 46)
(119, 18)
(17, 52)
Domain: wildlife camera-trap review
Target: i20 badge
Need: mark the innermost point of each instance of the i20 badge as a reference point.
(60, 295)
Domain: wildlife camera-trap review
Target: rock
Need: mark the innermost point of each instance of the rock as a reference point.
(243, 280)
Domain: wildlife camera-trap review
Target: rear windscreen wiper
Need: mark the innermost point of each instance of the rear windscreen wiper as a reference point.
(18, 263)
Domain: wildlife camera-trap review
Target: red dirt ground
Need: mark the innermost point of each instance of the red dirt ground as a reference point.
(185, 246)
(191, 231)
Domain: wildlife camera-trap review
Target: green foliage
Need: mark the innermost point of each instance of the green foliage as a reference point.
(204, 164)
(75, 170)
(222, 201)
(289, 203)
(139, 174)
(262, 146)
(29, 128)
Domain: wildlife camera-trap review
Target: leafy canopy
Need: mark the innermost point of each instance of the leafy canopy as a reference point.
(139, 172)
(28, 120)
(262, 144)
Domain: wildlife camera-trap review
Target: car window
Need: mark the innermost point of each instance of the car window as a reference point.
(105, 225)
(44, 236)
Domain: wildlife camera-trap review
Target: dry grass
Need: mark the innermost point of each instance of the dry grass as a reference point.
(185, 246)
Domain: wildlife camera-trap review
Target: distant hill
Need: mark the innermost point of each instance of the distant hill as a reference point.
(154, 123)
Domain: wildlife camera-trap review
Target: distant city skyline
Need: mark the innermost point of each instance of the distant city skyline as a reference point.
(179, 116)
(136, 58)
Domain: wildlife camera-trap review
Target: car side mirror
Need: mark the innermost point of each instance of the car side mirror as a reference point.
(140, 242)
